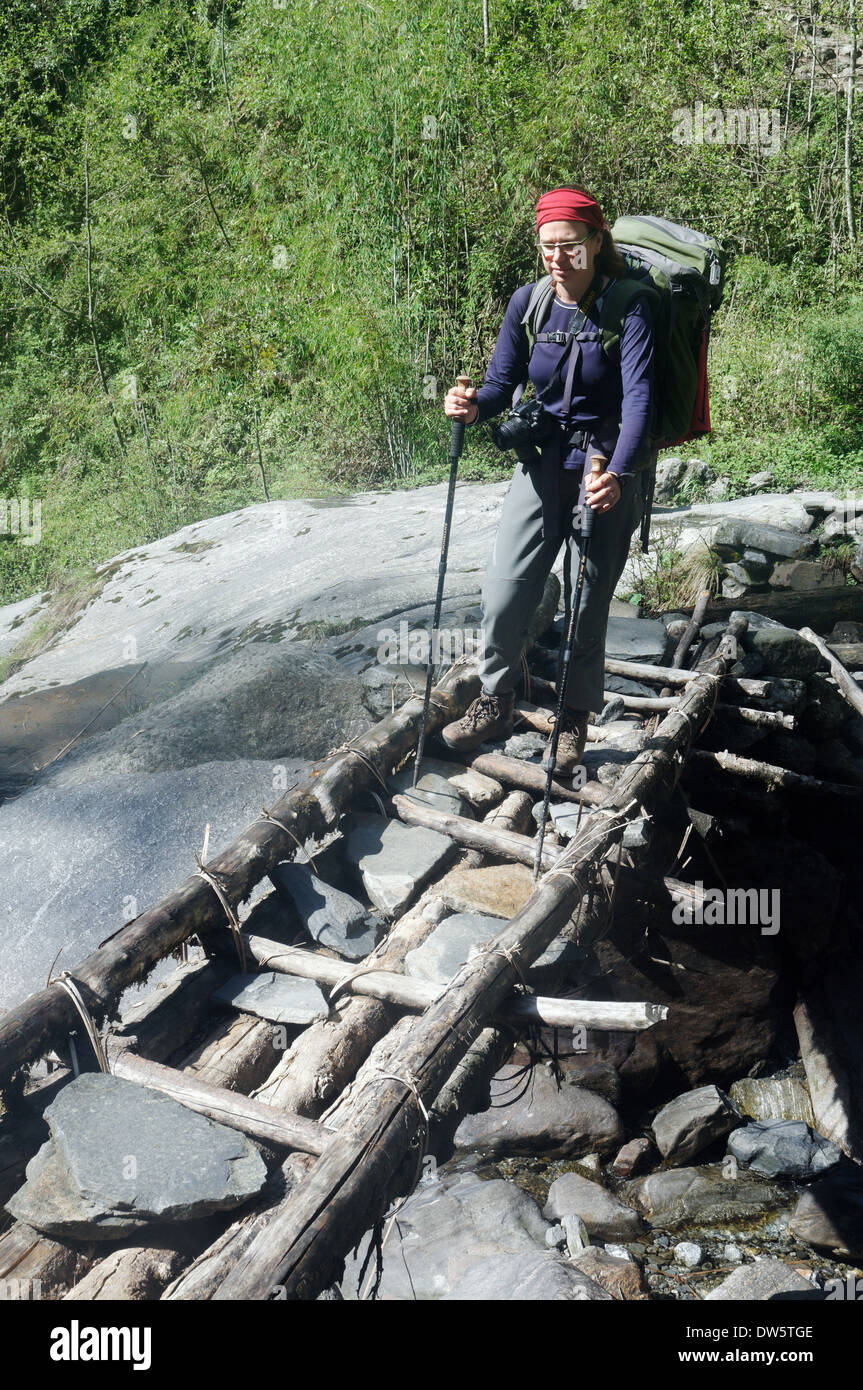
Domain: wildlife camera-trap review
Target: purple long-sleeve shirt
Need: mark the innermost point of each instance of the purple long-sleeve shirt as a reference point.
(604, 390)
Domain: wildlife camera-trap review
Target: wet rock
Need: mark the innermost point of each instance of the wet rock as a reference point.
(562, 1123)
(395, 861)
(604, 1215)
(703, 1195)
(332, 918)
(122, 1156)
(773, 1098)
(783, 1148)
(762, 1281)
(621, 1277)
(279, 998)
(829, 1214)
(633, 1158)
(692, 1121)
(500, 890)
(459, 1238)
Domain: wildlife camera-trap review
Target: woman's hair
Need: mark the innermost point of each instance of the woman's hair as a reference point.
(609, 261)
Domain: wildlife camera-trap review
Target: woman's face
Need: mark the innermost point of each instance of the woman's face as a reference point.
(571, 253)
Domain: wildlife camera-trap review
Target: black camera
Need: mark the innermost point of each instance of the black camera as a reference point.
(525, 427)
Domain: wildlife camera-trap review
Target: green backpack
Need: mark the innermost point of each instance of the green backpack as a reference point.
(680, 272)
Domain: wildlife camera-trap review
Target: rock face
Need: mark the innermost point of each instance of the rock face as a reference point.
(460, 1238)
(604, 1215)
(690, 1122)
(783, 1148)
(121, 1157)
(763, 1280)
(686, 1196)
(395, 861)
(561, 1123)
(279, 998)
(331, 918)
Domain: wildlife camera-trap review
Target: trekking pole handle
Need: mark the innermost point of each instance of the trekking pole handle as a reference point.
(597, 468)
(456, 443)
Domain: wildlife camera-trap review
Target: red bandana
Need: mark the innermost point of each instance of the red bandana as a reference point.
(569, 205)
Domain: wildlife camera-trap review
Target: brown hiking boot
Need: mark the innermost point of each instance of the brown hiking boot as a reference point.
(489, 717)
(570, 744)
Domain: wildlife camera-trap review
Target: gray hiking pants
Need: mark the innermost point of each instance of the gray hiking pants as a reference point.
(522, 560)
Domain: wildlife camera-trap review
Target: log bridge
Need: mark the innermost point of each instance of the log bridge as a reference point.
(359, 1097)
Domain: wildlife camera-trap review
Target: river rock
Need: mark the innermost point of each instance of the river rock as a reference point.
(636, 639)
(783, 1148)
(500, 890)
(604, 1215)
(332, 918)
(122, 1156)
(395, 861)
(461, 1238)
(762, 1281)
(545, 1120)
(757, 564)
(829, 1214)
(686, 1252)
(621, 1277)
(528, 746)
(633, 1157)
(279, 998)
(773, 1098)
(692, 1121)
(701, 1196)
(805, 576)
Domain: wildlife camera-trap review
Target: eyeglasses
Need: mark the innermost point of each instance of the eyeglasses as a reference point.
(569, 248)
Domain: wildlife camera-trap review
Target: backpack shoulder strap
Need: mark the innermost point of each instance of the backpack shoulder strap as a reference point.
(537, 308)
(618, 300)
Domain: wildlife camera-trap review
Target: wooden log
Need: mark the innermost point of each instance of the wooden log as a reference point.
(849, 687)
(773, 776)
(515, 772)
(513, 813)
(407, 992)
(348, 1187)
(822, 607)
(669, 675)
(170, 1014)
(681, 651)
(259, 1121)
(473, 834)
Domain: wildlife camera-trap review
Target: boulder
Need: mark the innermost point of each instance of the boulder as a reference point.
(735, 535)
(604, 1215)
(829, 1214)
(705, 1195)
(669, 476)
(555, 1122)
(693, 1121)
(332, 918)
(805, 575)
(620, 1277)
(783, 1149)
(458, 1237)
(122, 1157)
(762, 1281)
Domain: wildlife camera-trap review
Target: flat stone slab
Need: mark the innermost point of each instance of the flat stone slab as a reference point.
(332, 918)
(774, 1098)
(395, 861)
(499, 890)
(636, 639)
(480, 791)
(459, 938)
(279, 998)
(432, 789)
(122, 1156)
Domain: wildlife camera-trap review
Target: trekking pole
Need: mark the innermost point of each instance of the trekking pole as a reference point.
(597, 464)
(456, 444)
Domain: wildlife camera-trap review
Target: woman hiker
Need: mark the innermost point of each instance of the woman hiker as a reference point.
(597, 404)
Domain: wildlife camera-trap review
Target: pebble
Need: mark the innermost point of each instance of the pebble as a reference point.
(731, 1254)
(688, 1253)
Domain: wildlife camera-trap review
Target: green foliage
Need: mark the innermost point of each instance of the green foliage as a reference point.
(304, 219)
